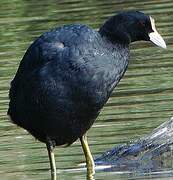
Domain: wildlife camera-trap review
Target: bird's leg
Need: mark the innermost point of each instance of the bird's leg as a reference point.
(89, 159)
(50, 147)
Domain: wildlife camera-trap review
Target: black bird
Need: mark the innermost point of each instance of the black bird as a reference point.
(67, 75)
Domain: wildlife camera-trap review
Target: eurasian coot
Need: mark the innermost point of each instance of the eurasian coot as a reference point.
(67, 75)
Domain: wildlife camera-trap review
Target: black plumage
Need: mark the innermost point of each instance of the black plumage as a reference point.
(68, 74)
(63, 81)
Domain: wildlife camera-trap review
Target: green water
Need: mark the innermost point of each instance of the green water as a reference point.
(142, 100)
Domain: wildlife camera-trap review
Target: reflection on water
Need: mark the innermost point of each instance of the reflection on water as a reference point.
(142, 101)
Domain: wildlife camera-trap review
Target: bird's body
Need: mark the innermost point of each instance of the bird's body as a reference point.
(68, 74)
(63, 81)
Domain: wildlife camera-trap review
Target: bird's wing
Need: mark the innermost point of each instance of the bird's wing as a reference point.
(60, 44)
(64, 52)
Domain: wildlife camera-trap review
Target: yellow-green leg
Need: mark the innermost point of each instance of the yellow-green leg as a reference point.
(50, 148)
(89, 159)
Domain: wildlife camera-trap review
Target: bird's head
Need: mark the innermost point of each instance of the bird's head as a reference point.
(130, 26)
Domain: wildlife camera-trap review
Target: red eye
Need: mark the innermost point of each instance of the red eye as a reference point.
(141, 23)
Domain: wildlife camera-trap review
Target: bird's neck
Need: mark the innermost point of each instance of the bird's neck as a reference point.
(115, 35)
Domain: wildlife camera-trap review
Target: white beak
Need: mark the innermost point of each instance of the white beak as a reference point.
(155, 37)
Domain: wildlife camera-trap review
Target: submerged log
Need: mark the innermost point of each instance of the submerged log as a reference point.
(149, 153)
